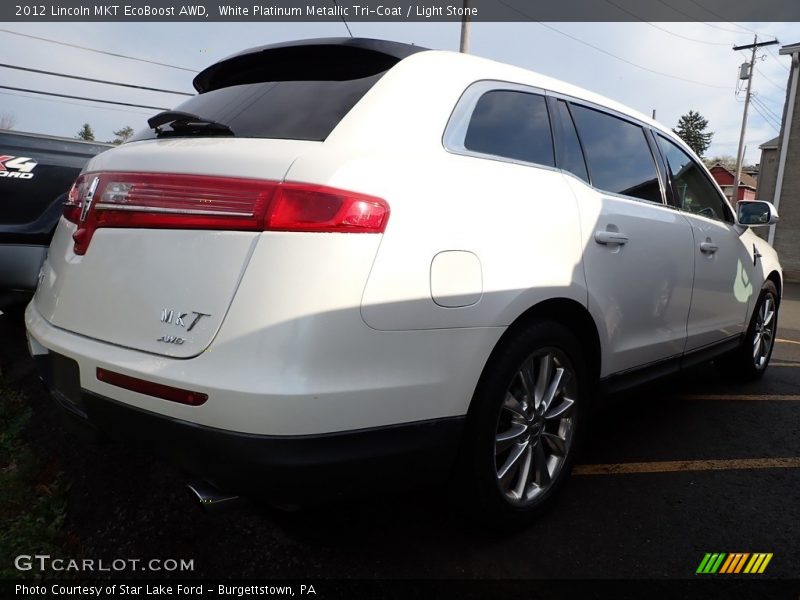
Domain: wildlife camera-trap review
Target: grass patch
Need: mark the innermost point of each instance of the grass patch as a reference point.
(32, 490)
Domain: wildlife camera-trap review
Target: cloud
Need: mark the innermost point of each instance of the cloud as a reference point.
(663, 48)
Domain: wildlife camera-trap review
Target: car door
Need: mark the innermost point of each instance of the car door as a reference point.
(638, 251)
(725, 277)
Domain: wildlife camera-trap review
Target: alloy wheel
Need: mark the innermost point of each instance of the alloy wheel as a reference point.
(535, 426)
(764, 334)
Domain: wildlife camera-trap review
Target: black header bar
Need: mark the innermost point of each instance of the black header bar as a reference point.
(400, 10)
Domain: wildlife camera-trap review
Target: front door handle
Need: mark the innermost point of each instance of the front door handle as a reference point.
(610, 237)
(708, 247)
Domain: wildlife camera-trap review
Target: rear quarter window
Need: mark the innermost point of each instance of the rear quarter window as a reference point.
(511, 124)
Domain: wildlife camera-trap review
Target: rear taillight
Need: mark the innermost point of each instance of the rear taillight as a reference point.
(163, 201)
(301, 207)
(74, 201)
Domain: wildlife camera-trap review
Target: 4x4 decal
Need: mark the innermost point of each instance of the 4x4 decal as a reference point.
(18, 167)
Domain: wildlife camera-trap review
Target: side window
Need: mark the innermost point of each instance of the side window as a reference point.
(512, 125)
(570, 154)
(694, 192)
(617, 153)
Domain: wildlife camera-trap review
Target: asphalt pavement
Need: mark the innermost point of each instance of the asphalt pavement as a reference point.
(692, 466)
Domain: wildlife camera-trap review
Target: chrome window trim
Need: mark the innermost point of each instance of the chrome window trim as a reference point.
(599, 107)
(456, 130)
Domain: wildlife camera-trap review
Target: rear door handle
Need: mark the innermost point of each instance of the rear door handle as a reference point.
(610, 237)
(708, 247)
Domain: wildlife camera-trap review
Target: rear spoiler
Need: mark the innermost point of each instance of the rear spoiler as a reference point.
(328, 59)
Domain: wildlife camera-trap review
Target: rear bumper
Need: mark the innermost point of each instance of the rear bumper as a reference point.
(278, 467)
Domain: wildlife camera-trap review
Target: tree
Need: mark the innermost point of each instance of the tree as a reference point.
(86, 133)
(122, 135)
(726, 160)
(7, 120)
(692, 130)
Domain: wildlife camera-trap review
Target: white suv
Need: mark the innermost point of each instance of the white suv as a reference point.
(350, 262)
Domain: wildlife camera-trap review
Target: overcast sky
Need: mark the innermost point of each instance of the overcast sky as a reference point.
(698, 69)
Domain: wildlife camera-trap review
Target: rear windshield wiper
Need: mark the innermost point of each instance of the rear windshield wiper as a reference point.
(183, 123)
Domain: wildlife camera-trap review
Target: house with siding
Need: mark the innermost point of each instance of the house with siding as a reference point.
(779, 180)
(725, 178)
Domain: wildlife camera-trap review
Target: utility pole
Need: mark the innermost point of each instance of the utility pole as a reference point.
(740, 151)
(466, 22)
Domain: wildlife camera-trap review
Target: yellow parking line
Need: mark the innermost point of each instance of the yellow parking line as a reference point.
(786, 341)
(749, 397)
(674, 466)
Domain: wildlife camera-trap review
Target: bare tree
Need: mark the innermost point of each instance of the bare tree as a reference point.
(122, 135)
(7, 120)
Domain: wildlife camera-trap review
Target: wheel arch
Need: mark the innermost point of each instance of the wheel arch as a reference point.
(775, 278)
(566, 312)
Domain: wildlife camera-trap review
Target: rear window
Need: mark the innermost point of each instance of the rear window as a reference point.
(296, 110)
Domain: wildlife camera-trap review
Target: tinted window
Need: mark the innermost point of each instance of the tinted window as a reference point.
(570, 155)
(692, 188)
(512, 125)
(617, 154)
(298, 110)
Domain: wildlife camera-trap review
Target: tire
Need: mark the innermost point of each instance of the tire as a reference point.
(516, 453)
(749, 362)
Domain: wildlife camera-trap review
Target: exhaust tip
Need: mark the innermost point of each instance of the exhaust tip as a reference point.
(210, 498)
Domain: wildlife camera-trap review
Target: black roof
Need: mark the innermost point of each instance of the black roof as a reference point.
(322, 58)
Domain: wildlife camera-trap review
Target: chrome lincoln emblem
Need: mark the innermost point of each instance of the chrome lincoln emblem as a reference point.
(180, 319)
(89, 198)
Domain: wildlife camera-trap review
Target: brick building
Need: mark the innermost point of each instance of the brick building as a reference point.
(779, 180)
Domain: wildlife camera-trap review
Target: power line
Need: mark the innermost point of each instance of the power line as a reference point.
(127, 85)
(769, 112)
(778, 60)
(16, 89)
(343, 21)
(125, 110)
(780, 87)
(765, 107)
(677, 35)
(718, 16)
(606, 52)
(739, 31)
(711, 12)
(767, 120)
(686, 37)
(677, 10)
(144, 60)
(771, 101)
(633, 64)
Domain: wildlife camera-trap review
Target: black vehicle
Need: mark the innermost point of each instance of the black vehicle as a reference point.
(36, 172)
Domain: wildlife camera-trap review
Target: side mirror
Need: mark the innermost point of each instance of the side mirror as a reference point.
(756, 213)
